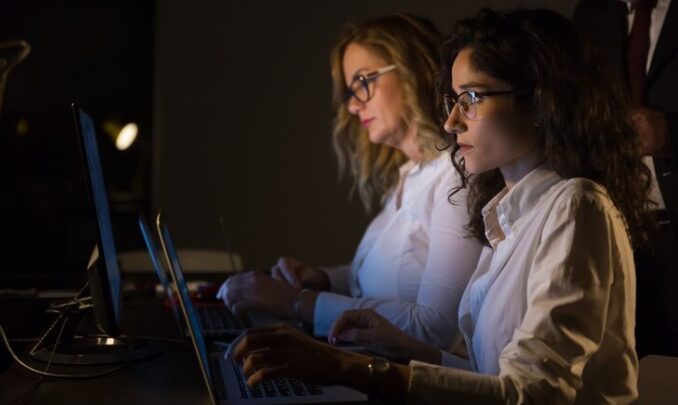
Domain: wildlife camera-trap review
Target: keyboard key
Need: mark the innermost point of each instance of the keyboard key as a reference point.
(269, 389)
(297, 387)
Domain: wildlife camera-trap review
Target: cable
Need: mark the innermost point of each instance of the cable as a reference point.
(55, 375)
(54, 346)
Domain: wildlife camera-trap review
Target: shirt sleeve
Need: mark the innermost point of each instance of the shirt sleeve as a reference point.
(568, 295)
(451, 259)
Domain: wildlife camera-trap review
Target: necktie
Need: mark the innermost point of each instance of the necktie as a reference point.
(639, 45)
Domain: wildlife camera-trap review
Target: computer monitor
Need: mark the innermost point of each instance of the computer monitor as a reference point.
(102, 271)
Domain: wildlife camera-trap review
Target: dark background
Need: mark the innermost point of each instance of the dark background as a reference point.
(233, 103)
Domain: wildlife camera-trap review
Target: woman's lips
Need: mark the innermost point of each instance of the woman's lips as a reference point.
(366, 122)
(464, 147)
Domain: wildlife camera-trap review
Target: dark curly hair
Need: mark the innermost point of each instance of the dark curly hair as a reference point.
(581, 113)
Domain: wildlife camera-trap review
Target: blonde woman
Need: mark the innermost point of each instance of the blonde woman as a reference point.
(414, 260)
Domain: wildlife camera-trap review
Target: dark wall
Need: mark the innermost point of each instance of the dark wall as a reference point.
(243, 119)
(100, 55)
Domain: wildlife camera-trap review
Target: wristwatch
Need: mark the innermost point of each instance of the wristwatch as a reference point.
(378, 367)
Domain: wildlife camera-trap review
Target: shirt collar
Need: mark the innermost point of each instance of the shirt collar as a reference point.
(629, 4)
(508, 206)
(411, 167)
(408, 167)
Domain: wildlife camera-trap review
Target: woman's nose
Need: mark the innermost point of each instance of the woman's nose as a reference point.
(454, 124)
(354, 105)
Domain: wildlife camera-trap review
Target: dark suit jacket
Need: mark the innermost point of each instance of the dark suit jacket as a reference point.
(605, 23)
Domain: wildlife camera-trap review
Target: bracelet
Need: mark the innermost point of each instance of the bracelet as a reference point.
(297, 303)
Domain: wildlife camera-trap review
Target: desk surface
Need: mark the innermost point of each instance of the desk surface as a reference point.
(172, 377)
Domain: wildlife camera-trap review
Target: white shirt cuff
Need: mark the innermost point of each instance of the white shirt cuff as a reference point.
(328, 307)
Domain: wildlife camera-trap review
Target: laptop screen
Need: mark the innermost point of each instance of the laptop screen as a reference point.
(185, 298)
(155, 262)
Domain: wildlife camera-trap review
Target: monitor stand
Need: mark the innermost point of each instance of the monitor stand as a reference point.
(62, 344)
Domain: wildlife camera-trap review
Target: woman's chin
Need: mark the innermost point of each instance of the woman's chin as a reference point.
(378, 137)
(472, 167)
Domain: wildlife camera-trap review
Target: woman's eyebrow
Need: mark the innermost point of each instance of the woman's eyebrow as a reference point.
(474, 86)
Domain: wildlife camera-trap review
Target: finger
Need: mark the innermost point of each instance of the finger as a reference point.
(267, 373)
(255, 339)
(242, 306)
(222, 290)
(338, 326)
(287, 269)
(352, 319)
(226, 285)
(362, 337)
(275, 273)
(230, 352)
(262, 358)
(253, 362)
(238, 289)
(291, 277)
(232, 296)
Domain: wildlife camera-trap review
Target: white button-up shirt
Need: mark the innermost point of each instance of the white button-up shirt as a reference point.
(548, 316)
(414, 261)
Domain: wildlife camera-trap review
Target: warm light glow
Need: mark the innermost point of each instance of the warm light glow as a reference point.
(126, 136)
(22, 127)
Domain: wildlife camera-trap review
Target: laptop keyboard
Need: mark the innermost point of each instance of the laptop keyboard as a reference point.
(216, 319)
(278, 387)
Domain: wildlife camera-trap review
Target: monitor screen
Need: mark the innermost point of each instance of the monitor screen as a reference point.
(103, 273)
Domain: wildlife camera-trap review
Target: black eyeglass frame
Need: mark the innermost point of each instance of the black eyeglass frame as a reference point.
(449, 100)
(365, 80)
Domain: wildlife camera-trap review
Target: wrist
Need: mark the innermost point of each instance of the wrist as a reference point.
(428, 354)
(303, 306)
(355, 371)
(377, 377)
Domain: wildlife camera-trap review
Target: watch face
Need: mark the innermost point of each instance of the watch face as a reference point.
(378, 366)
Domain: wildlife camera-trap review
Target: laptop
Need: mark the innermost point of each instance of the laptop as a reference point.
(224, 378)
(216, 321)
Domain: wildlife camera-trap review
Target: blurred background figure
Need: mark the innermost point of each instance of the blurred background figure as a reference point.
(639, 37)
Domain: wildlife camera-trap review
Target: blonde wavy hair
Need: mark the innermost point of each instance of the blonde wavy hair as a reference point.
(411, 43)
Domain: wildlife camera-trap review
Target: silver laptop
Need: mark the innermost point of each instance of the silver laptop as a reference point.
(223, 377)
(216, 321)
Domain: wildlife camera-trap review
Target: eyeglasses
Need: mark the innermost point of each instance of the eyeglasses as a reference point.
(468, 101)
(360, 86)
